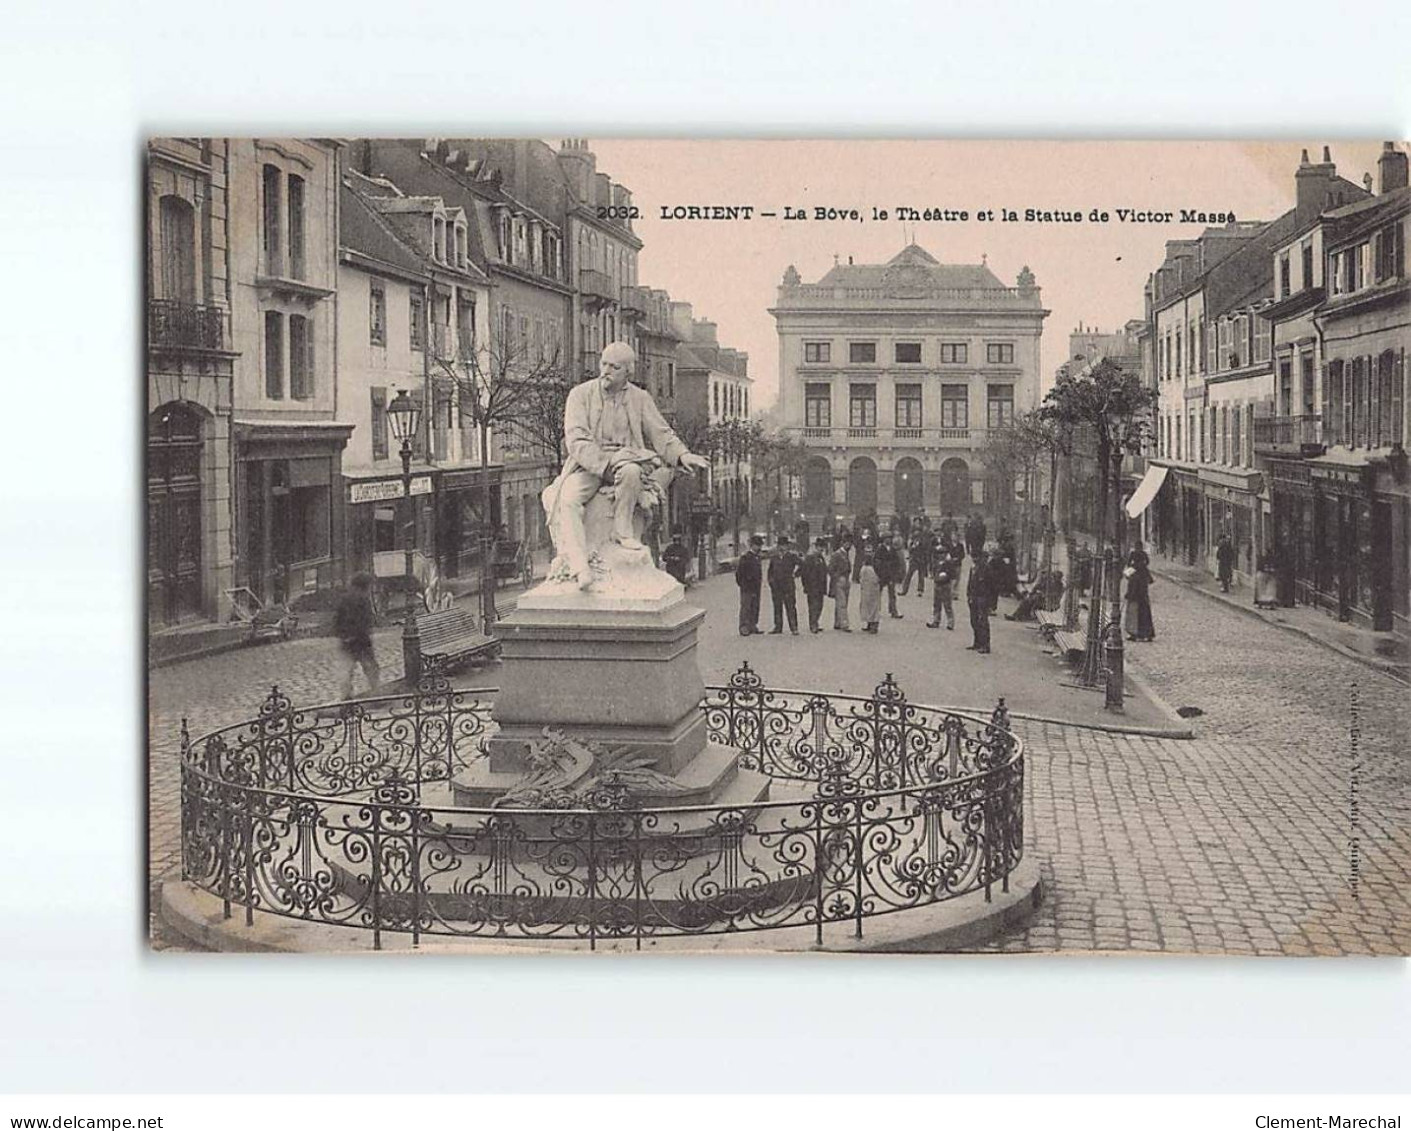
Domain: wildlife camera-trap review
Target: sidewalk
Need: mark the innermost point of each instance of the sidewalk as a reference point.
(1378, 650)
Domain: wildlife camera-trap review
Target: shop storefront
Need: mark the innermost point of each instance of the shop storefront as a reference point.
(461, 517)
(377, 520)
(1360, 518)
(289, 516)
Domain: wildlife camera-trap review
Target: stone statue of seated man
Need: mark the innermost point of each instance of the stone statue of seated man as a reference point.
(618, 444)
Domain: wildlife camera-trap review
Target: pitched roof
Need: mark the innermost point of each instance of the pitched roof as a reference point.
(909, 263)
(362, 231)
(1353, 219)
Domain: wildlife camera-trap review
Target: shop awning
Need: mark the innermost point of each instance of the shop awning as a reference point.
(1146, 490)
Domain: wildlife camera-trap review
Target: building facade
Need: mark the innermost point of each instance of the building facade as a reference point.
(892, 374)
(519, 246)
(287, 434)
(714, 389)
(412, 305)
(190, 372)
(1334, 441)
(1211, 314)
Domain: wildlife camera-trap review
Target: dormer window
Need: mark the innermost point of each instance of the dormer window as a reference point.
(438, 239)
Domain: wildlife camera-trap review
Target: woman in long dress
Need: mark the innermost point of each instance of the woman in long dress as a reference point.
(870, 606)
(1137, 619)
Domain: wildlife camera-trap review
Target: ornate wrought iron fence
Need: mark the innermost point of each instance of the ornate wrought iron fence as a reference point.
(335, 815)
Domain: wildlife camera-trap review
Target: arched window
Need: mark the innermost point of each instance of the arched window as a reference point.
(178, 267)
(955, 486)
(907, 483)
(862, 486)
(818, 485)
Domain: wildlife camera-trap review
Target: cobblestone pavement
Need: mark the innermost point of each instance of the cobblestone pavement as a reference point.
(1238, 842)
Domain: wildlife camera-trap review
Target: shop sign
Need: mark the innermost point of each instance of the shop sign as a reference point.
(381, 489)
(1350, 479)
(376, 491)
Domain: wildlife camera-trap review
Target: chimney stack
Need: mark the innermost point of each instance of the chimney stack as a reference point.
(1312, 184)
(1391, 169)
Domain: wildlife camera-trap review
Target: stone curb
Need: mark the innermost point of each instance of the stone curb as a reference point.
(1392, 671)
(952, 926)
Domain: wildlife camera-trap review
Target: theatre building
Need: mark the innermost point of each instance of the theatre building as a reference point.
(893, 373)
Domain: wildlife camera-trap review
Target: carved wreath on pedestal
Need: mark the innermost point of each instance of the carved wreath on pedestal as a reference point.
(569, 773)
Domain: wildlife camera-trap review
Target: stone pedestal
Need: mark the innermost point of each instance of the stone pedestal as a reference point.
(616, 665)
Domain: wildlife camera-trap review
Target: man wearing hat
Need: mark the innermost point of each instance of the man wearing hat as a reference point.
(748, 575)
(783, 568)
(813, 574)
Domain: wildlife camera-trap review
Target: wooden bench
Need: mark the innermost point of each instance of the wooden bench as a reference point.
(446, 640)
(1049, 622)
(1072, 645)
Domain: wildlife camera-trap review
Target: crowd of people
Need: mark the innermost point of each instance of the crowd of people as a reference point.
(883, 564)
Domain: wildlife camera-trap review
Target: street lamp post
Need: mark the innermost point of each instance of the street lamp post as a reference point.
(403, 416)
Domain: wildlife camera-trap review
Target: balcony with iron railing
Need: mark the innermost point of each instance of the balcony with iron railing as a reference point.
(633, 302)
(185, 325)
(902, 437)
(1288, 433)
(596, 285)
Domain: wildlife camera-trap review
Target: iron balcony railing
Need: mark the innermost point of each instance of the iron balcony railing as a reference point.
(633, 302)
(909, 437)
(185, 325)
(320, 814)
(597, 284)
(1276, 432)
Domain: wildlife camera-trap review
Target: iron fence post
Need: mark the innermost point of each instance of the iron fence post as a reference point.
(592, 881)
(375, 877)
(1114, 667)
(857, 867)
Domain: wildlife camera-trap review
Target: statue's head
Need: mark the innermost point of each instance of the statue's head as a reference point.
(617, 364)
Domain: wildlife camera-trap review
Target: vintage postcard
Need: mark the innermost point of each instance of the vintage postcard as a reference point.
(662, 546)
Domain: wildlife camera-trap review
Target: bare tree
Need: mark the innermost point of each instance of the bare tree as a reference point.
(501, 387)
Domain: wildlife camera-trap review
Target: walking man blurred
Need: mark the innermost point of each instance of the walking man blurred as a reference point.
(352, 623)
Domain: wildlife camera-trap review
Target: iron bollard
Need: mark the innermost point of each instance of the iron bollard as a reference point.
(1114, 667)
(411, 652)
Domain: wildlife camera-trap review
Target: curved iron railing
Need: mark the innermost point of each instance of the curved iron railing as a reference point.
(332, 815)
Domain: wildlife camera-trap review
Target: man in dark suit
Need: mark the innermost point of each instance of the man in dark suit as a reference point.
(813, 574)
(890, 571)
(783, 568)
(748, 575)
(978, 591)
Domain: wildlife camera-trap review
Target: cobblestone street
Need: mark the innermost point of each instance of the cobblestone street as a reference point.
(1239, 841)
